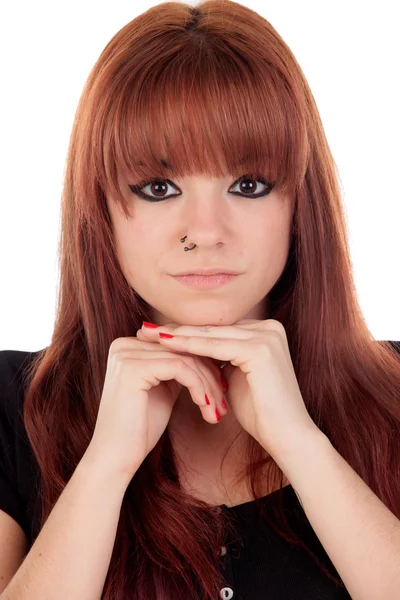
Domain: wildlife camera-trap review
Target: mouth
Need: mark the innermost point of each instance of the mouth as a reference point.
(208, 271)
(206, 281)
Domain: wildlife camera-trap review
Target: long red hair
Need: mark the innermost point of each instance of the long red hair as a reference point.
(208, 89)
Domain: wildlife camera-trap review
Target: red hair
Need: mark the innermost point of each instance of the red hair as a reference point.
(208, 89)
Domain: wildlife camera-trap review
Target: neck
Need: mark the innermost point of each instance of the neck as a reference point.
(211, 457)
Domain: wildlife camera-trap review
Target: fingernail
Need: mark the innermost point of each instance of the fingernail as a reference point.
(223, 403)
(147, 324)
(207, 400)
(217, 414)
(223, 383)
(166, 335)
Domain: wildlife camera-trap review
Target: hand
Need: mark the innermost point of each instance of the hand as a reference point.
(141, 385)
(263, 389)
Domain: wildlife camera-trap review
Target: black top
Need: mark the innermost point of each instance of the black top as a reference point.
(259, 565)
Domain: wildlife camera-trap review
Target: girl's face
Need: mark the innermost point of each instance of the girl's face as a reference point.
(231, 230)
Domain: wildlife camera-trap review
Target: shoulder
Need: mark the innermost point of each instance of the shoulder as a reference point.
(13, 365)
(13, 361)
(396, 345)
(18, 468)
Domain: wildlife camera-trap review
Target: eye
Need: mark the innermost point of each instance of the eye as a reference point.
(157, 187)
(247, 184)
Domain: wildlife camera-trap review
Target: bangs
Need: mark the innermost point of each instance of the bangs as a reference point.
(200, 109)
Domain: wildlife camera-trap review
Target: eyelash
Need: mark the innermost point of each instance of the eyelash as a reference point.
(137, 189)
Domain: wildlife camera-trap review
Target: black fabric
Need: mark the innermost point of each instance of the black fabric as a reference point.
(19, 471)
(257, 566)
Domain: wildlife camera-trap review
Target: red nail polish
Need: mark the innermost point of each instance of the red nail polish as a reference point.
(223, 403)
(207, 400)
(167, 336)
(147, 324)
(217, 415)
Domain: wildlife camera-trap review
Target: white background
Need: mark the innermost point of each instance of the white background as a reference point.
(349, 52)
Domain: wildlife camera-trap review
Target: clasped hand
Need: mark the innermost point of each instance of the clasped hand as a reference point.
(263, 389)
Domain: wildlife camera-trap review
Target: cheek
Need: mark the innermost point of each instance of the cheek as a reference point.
(274, 231)
(272, 246)
(136, 248)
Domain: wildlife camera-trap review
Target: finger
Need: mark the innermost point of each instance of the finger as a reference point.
(210, 373)
(198, 397)
(217, 348)
(213, 375)
(227, 332)
(212, 390)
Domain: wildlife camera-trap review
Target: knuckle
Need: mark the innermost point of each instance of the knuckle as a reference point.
(123, 343)
(115, 345)
(116, 354)
(275, 326)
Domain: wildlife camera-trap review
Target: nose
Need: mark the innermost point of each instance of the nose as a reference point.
(205, 216)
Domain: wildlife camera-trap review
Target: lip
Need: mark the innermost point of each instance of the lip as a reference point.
(206, 281)
(208, 271)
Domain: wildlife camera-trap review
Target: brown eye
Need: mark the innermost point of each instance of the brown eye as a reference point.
(158, 188)
(249, 186)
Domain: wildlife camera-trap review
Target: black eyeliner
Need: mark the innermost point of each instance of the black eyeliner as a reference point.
(137, 189)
